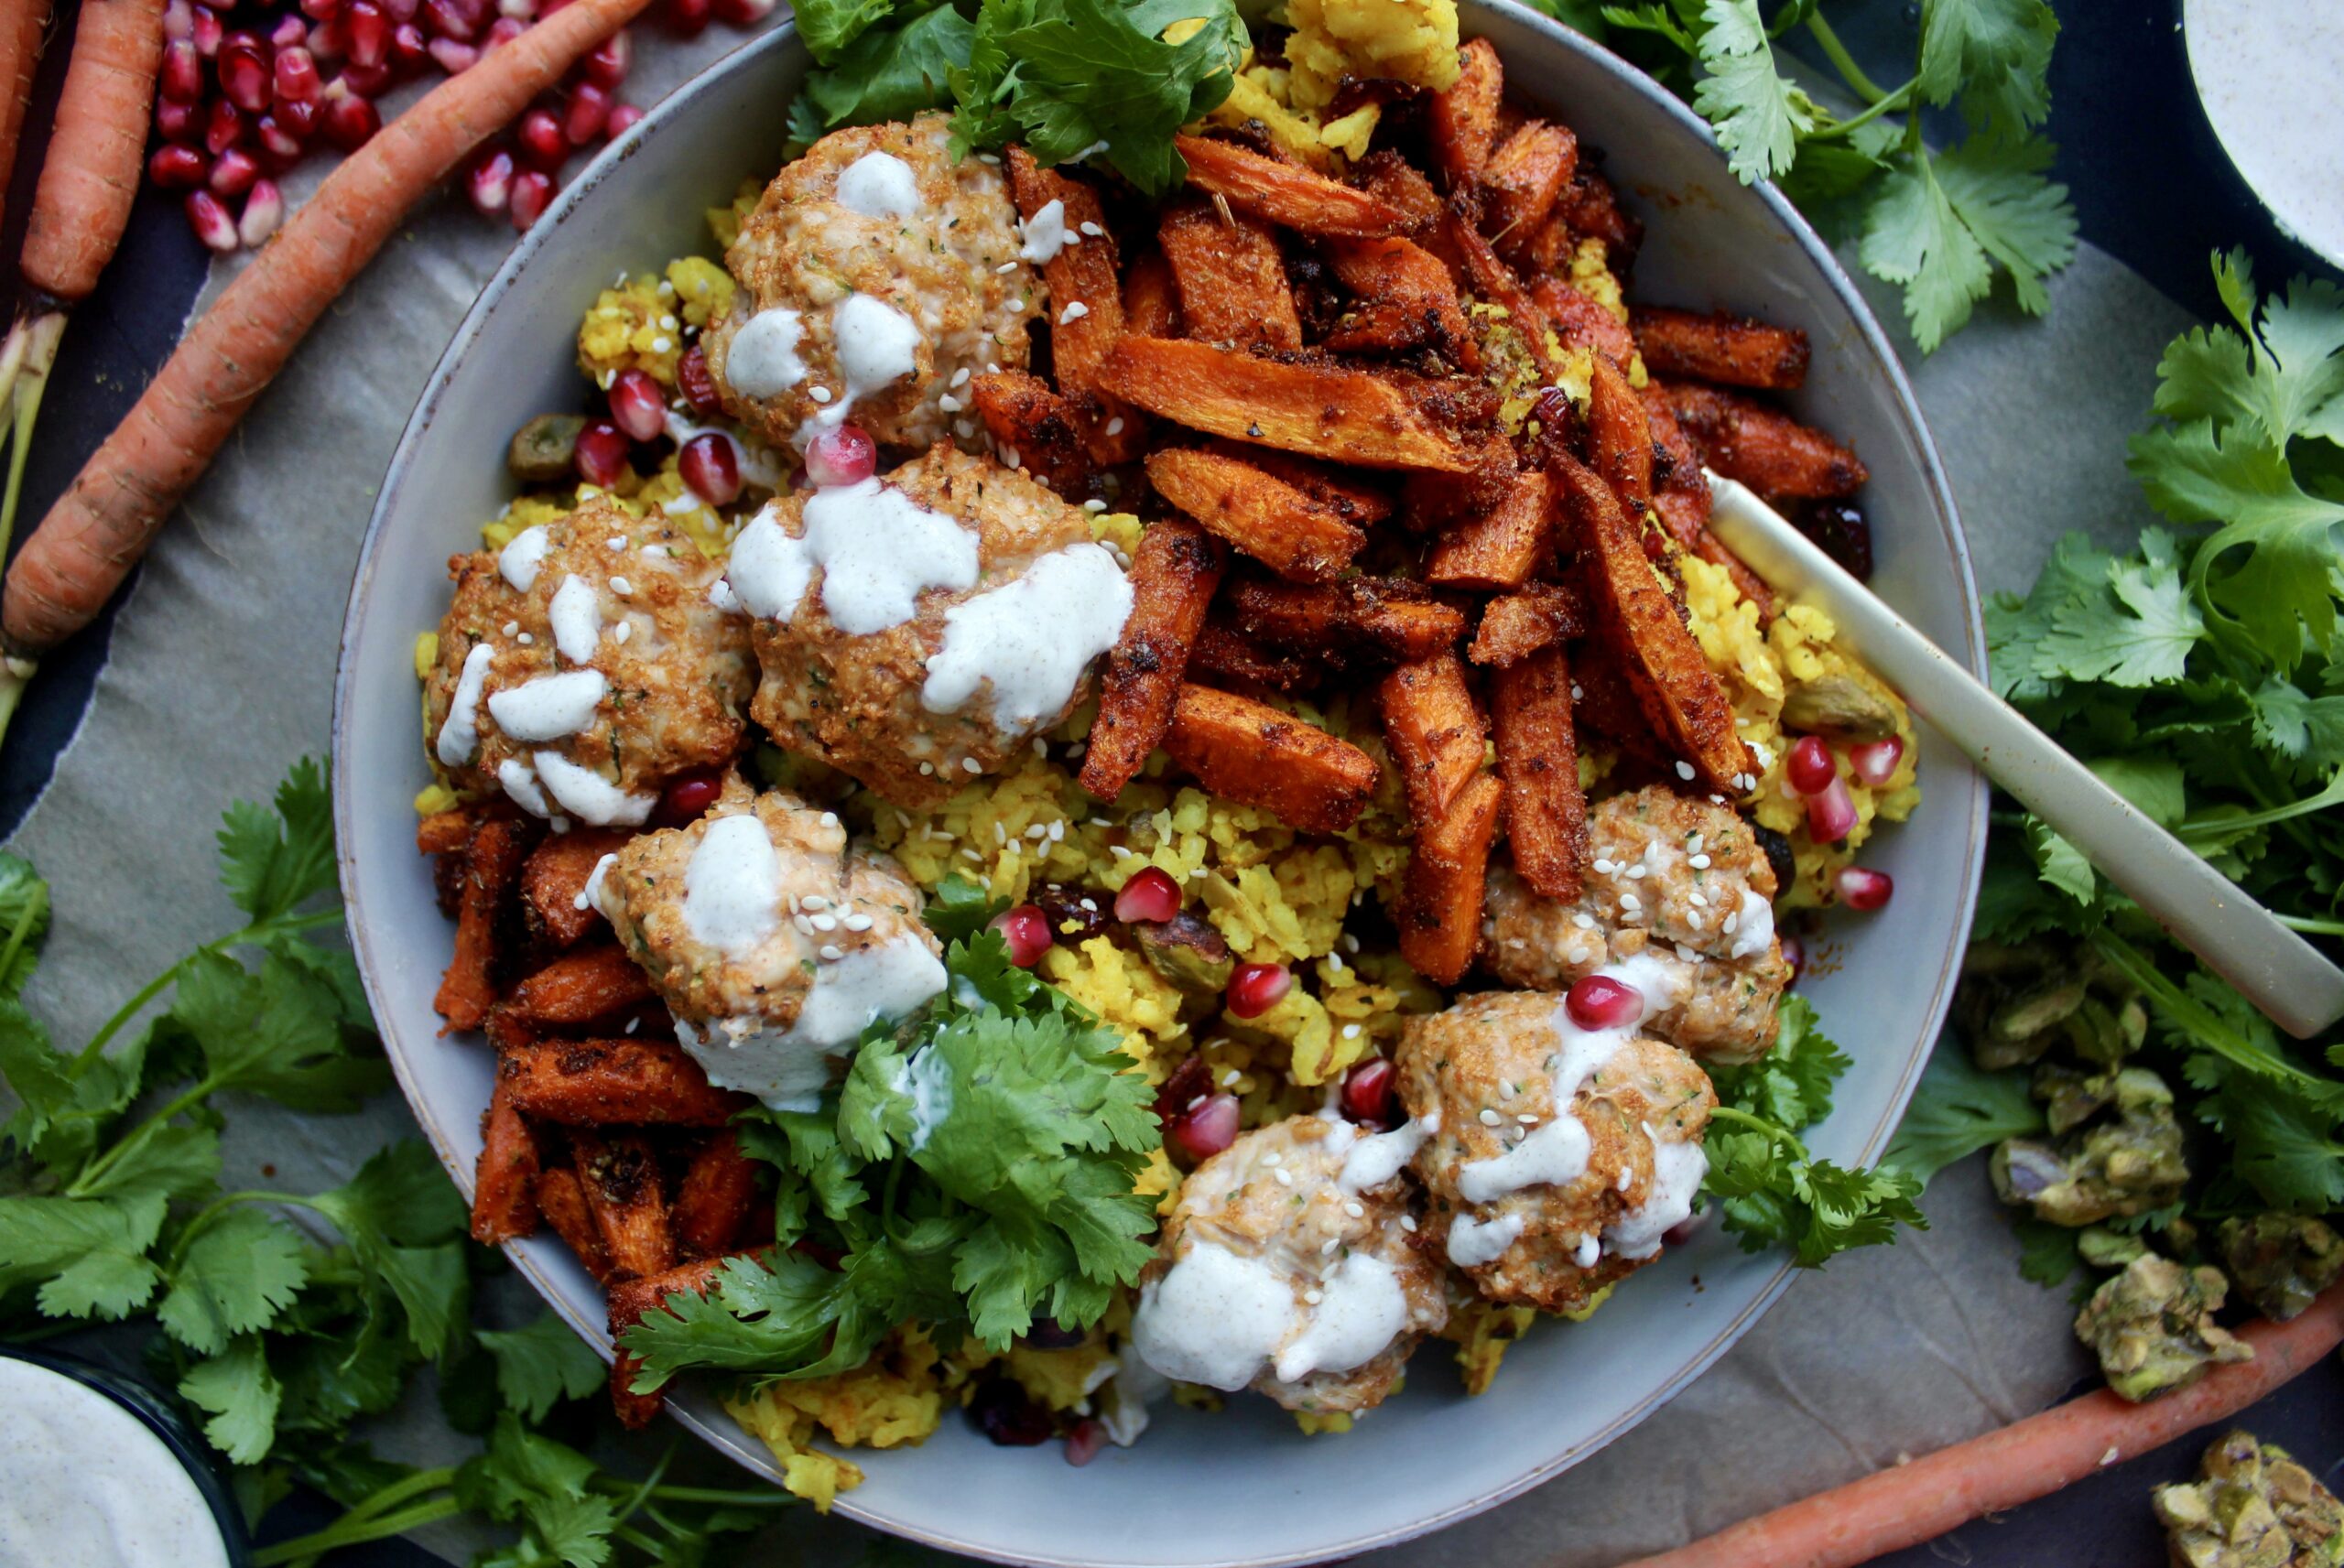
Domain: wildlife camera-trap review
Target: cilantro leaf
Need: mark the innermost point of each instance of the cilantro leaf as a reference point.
(2048, 1253)
(1994, 184)
(2306, 729)
(1772, 1193)
(402, 1218)
(784, 1316)
(959, 908)
(540, 1365)
(242, 1396)
(2136, 631)
(237, 1277)
(1791, 1084)
(89, 1256)
(1758, 113)
(542, 1484)
(1958, 1111)
(1994, 54)
(829, 26)
(273, 862)
(1913, 237)
(23, 921)
(891, 73)
(2060, 863)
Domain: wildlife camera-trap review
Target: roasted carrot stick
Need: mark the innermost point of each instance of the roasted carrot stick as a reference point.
(100, 528)
(1912, 1503)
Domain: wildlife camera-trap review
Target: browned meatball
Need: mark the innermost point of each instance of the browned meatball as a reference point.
(917, 632)
(1287, 1265)
(877, 276)
(584, 664)
(1673, 880)
(1556, 1156)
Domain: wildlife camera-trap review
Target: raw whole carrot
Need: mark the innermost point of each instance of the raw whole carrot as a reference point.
(100, 528)
(98, 148)
(21, 22)
(1892, 1510)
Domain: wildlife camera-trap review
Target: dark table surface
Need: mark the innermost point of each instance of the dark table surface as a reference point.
(2151, 186)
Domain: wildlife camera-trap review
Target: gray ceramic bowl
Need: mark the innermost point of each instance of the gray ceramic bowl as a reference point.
(1243, 1486)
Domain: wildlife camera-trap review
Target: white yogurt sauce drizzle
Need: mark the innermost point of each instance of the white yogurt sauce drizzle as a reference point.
(1029, 640)
(1380, 1157)
(789, 1068)
(878, 548)
(1756, 926)
(877, 346)
(591, 895)
(732, 886)
(1215, 1318)
(520, 782)
(587, 796)
(576, 616)
(522, 555)
(762, 360)
(1045, 234)
(83, 1481)
(460, 732)
(928, 1079)
(1362, 1310)
(550, 706)
(1474, 1243)
(1677, 1167)
(879, 185)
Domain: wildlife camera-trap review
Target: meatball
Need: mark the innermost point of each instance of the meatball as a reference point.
(917, 632)
(773, 942)
(584, 664)
(876, 275)
(1678, 882)
(1286, 1264)
(1556, 1156)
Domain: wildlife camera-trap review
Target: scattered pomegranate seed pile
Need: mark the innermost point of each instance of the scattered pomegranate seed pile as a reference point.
(1814, 772)
(248, 91)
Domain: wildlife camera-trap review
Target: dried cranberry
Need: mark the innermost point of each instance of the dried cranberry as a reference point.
(1048, 1334)
(1063, 902)
(1841, 529)
(1190, 1082)
(1005, 1414)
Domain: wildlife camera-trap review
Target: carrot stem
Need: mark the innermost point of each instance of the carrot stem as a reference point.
(1911, 1503)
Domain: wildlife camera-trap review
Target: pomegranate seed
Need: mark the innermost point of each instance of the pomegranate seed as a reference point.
(177, 167)
(489, 181)
(281, 149)
(699, 385)
(1809, 767)
(710, 468)
(295, 77)
(208, 33)
(607, 65)
(409, 48)
(298, 121)
(224, 128)
(502, 30)
(182, 80)
(263, 210)
(448, 20)
(1083, 1444)
(452, 57)
(1027, 931)
(320, 10)
(532, 194)
(244, 73)
(209, 218)
(1795, 954)
(517, 10)
(1874, 762)
(847, 455)
(541, 139)
(1254, 988)
(1831, 815)
(624, 118)
(289, 32)
(688, 798)
(330, 40)
(1207, 1130)
(349, 119)
(1600, 1001)
(743, 12)
(1150, 895)
(369, 81)
(234, 173)
(367, 33)
(685, 18)
(1367, 1093)
(601, 447)
(403, 10)
(178, 21)
(1004, 1414)
(637, 405)
(180, 122)
(1862, 889)
(590, 111)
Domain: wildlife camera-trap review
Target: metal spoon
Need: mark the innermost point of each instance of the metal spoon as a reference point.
(2273, 968)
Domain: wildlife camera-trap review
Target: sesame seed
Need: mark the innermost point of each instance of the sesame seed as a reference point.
(1090, 904)
(1698, 862)
(1009, 456)
(1354, 1210)
(1684, 769)
(661, 345)
(1584, 921)
(1273, 1158)
(511, 627)
(1229, 1079)
(1604, 867)
(1696, 901)
(525, 639)
(667, 323)
(961, 377)
(1327, 1246)
(1488, 1116)
(1286, 1178)
(832, 954)
(1038, 832)
(1093, 230)
(626, 629)
(1195, 1101)
(826, 922)
(1115, 426)
(829, 819)
(964, 428)
(972, 765)
(1000, 834)
(1407, 1222)
(616, 541)
(1074, 313)
(1094, 504)
(1041, 748)
(805, 926)
(1350, 943)
(1004, 269)
(1693, 842)
(1576, 692)
(926, 769)
(1526, 1119)
(1313, 1298)
(1058, 832)
(1730, 922)
(949, 404)
(818, 393)
(620, 586)
(1636, 870)
(857, 923)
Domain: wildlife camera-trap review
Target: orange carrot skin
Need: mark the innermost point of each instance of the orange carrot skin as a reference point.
(98, 150)
(1892, 1510)
(21, 22)
(102, 526)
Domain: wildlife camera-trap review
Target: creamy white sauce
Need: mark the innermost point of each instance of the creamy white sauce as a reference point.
(879, 185)
(1362, 1310)
(1124, 1399)
(84, 1482)
(786, 1067)
(1215, 1318)
(1045, 234)
(732, 886)
(460, 732)
(591, 895)
(877, 346)
(587, 796)
(1379, 1158)
(1028, 642)
(1754, 928)
(1677, 1167)
(928, 1079)
(520, 782)
(762, 361)
(550, 706)
(576, 615)
(2266, 71)
(1474, 1243)
(878, 551)
(522, 555)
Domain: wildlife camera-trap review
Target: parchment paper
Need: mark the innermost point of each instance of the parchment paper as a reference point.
(221, 673)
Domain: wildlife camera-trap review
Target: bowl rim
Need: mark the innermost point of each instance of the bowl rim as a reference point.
(699, 1413)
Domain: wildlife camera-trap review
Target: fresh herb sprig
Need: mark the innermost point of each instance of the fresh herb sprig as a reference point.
(1942, 225)
(974, 1172)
